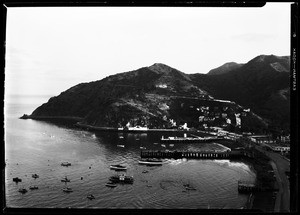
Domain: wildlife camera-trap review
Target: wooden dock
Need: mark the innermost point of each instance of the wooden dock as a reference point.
(190, 139)
(195, 154)
(247, 187)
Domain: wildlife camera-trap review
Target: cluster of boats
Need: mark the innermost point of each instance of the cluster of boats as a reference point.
(23, 190)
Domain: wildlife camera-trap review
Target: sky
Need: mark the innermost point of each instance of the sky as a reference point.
(50, 49)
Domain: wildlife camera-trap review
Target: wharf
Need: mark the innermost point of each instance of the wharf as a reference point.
(195, 154)
(190, 139)
(247, 187)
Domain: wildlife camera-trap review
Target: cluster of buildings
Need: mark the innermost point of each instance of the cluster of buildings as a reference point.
(269, 142)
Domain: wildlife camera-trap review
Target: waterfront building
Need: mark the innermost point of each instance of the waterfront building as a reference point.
(262, 139)
(278, 148)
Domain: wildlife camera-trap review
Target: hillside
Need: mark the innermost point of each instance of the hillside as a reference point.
(261, 84)
(160, 96)
(225, 68)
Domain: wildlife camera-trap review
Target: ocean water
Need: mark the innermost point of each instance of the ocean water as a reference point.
(40, 147)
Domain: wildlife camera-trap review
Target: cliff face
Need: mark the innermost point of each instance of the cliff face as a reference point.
(159, 95)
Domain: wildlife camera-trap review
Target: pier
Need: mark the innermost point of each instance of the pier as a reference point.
(190, 139)
(195, 154)
(247, 187)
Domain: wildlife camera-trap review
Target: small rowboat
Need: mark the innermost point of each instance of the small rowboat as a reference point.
(66, 164)
(90, 197)
(65, 179)
(33, 187)
(121, 146)
(17, 180)
(118, 167)
(23, 190)
(67, 190)
(150, 161)
(35, 176)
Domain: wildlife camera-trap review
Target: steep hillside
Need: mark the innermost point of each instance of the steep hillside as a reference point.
(261, 84)
(225, 68)
(160, 96)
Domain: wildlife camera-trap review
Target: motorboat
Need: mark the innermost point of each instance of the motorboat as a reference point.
(33, 187)
(23, 190)
(65, 179)
(16, 179)
(118, 167)
(121, 146)
(67, 190)
(35, 176)
(151, 161)
(90, 197)
(121, 179)
(189, 187)
(66, 164)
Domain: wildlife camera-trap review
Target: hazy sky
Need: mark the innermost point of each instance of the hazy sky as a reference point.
(49, 50)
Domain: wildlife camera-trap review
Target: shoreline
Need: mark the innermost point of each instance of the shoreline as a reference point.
(252, 202)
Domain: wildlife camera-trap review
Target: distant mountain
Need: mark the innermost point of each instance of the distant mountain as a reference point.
(261, 84)
(160, 96)
(227, 67)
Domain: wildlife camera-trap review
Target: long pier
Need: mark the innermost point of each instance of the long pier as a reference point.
(190, 139)
(248, 187)
(195, 154)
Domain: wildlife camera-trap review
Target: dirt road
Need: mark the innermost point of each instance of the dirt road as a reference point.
(280, 165)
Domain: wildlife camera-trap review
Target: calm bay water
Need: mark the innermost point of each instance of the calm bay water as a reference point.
(39, 147)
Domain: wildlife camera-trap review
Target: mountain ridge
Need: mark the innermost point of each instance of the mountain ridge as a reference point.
(156, 95)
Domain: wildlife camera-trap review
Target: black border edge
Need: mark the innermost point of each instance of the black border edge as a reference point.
(294, 207)
(146, 3)
(294, 96)
(3, 50)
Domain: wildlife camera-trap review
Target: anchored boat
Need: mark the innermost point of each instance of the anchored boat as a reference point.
(121, 146)
(17, 179)
(65, 179)
(66, 164)
(67, 190)
(35, 176)
(23, 190)
(121, 179)
(151, 161)
(118, 167)
(90, 197)
(33, 187)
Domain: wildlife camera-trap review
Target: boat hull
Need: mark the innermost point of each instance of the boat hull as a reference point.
(150, 163)
(118, 168)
